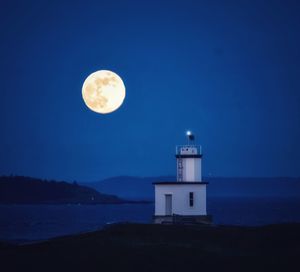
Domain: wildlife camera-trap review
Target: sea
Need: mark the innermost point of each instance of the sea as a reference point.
(29, 223)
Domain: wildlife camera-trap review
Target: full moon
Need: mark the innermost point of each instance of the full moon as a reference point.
(103, 91)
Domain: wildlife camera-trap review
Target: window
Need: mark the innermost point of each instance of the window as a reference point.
(191, 199)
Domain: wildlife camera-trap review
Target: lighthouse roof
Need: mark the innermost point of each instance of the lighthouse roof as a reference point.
(188, 156)
(180, 182)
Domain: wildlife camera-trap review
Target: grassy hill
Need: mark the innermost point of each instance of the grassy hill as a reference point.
(25, 190)
(134, 247)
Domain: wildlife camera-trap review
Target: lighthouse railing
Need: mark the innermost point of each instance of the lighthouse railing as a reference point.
(181, 149)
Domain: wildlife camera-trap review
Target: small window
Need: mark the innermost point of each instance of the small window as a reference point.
(191, 199)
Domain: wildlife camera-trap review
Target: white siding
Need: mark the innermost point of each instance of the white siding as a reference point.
(198, 173)
(191, 169)
(180, 199)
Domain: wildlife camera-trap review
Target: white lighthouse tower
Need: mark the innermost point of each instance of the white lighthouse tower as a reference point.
(184, 200)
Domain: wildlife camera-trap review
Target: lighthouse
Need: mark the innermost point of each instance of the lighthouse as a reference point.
(183, 200)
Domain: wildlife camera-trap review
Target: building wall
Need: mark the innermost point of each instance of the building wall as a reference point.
(192, 169)
(198, 170)
(180, 199)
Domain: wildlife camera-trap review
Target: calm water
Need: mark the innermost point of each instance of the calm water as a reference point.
(35, 222)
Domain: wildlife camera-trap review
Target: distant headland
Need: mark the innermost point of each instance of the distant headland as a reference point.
(27, 190)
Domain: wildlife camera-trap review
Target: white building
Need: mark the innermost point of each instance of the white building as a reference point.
(183, 200)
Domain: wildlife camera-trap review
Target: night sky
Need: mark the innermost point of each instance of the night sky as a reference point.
(227, 70)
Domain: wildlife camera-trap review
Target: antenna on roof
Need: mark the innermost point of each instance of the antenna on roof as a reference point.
(190, 136)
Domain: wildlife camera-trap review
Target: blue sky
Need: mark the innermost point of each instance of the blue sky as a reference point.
(227, 70)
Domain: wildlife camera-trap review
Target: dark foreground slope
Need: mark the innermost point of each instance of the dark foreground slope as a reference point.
(131, 247)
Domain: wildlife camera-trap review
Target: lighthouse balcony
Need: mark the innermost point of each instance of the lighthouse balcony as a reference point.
(188, 150)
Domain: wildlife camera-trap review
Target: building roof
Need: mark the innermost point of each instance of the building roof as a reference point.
(188, 155)
(180, 182)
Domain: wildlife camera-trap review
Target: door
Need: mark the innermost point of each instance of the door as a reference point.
(168, 204)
